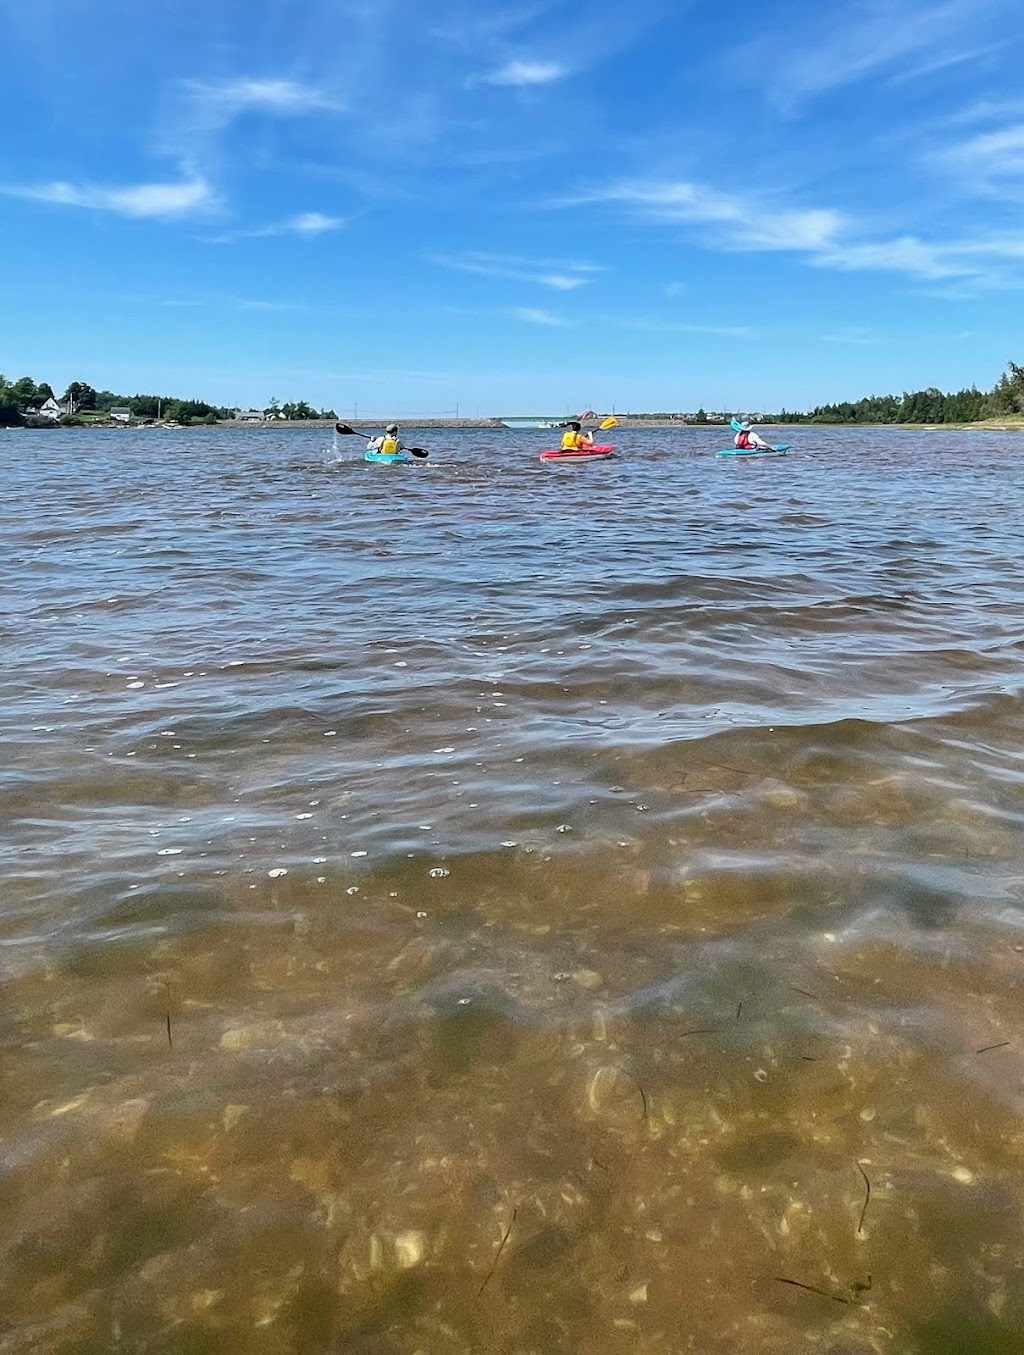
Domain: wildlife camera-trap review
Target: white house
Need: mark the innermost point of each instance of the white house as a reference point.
(250, 415)
(121, 415)
(50, 409)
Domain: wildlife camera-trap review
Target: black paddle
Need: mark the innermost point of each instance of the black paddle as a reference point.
(345, 431)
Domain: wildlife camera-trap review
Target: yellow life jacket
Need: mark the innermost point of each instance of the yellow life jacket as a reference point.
(571, 440)
(389, 447)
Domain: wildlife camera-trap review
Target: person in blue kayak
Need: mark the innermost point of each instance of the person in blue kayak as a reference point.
(749, 441)
(575, 440)
(388, 445)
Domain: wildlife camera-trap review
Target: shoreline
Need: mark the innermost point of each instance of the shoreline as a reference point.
(1009, 424)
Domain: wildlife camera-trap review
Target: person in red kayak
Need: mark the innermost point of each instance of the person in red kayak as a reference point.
(575, 440)
(749, 441)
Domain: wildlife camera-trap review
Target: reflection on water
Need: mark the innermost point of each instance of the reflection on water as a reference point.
(486, 906)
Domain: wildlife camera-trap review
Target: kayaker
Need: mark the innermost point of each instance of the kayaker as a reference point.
(575, 440)
(388, 445)
(747, 440)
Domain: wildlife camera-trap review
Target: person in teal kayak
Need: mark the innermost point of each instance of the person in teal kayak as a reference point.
(575, 440)
(388, 445)
(749, 441)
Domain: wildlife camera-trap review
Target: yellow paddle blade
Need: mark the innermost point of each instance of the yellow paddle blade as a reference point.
(610, 422)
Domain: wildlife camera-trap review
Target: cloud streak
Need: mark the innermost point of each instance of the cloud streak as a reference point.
(991, 163)
(523, 73)
(220, 102)
(744, 226)
(874, 36)
(555, 274)
(535, 315)
(146, 201)
(307, 226)
(825, 237)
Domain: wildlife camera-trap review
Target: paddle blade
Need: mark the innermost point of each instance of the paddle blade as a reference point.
(610, 422)
(418, 451)
(344, 429)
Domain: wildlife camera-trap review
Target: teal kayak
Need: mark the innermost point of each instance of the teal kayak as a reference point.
(387, 458)
(780, 449)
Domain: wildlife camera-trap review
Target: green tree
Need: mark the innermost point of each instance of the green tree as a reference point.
(298, 410)
(148, 406)
(26, 393)
(10, 411)
(83, 395)
(1008, 394)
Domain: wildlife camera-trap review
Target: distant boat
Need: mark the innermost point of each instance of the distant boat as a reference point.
(517, 424)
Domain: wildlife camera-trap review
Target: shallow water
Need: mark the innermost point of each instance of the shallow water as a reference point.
(486, 906)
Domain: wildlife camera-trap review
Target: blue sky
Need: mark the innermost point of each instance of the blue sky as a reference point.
(535, 206)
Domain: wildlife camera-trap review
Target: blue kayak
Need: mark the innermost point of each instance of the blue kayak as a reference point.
(387, 458)
(780, 449)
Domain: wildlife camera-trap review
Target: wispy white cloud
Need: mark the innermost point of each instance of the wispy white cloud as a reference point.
(534, 315)
(745, 225)
(219, 102)
(556, 274)
(308, 225)
(905, 254)
(963, 266)
(651, 325)
(990, 163)
(203, 126)
(525, 72)
(158, 201)
(313, 223)
(983, 111)
(825, 237)
(871, 37)
(257, 304)
(928, 66)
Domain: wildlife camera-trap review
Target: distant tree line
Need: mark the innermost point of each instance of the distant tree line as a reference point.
(927, 406)
(19, 398)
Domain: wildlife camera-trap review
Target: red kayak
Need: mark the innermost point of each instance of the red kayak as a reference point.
(582, 454)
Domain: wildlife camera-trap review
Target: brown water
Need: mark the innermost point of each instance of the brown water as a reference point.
(481, 906)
